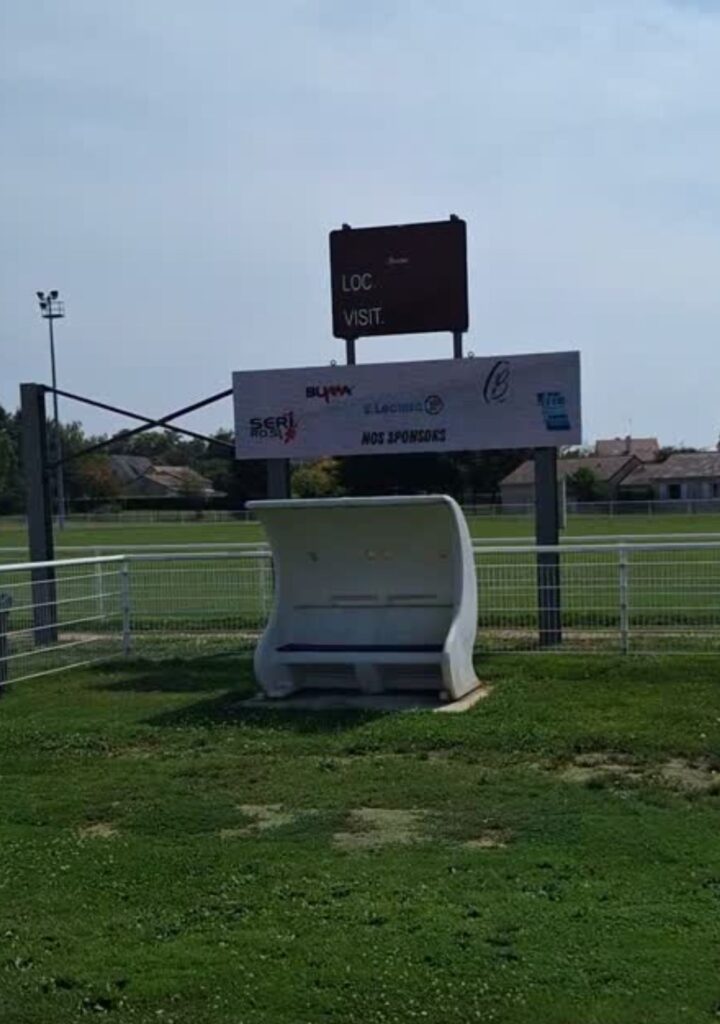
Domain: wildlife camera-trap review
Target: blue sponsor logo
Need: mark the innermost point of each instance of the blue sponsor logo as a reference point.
(554, 411)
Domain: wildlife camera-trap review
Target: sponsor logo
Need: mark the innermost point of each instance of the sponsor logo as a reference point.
(497, 383)
(327, 392)
(280, 428)
(432, 405)
(554, 411)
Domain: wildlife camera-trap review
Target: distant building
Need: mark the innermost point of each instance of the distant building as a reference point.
(646, 449)
(128, 468)
(139, 478)
(518, 488)
(688, 475)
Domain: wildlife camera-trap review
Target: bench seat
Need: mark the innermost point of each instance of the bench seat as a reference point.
(359, 654)
(362, 648)
(371, 594)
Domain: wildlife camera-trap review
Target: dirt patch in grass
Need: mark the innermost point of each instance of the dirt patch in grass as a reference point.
(135, 752)
(490, 839)
(371, 827)
(698, 777)
(265, 816)
(99, 830)
(602, 767)
(588, 767)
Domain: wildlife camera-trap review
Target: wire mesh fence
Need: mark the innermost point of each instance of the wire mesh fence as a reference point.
(623, 598)
(639, 598)
(61, 615)
(211, 592)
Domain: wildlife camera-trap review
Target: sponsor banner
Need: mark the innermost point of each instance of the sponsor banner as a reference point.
(430, 406)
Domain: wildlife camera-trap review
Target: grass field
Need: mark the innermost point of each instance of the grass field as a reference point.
(551, 856)
(673, 593)
(12, 535)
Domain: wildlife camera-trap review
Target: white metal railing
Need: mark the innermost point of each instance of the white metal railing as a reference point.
(621, 507)
(622, 598)
(56, 615)
(16, 553)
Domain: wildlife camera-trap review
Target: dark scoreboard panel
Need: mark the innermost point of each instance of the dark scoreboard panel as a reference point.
(400, 279)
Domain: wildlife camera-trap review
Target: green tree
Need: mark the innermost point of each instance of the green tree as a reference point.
(413, 473)
(11, 477)
(80, 472)
(8, 468)
(585, 485)
(94, 478)
(320, 479)
(482, 472)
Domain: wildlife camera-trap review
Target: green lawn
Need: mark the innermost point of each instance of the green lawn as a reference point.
(12, 535)
(551, 856)
(147, 534)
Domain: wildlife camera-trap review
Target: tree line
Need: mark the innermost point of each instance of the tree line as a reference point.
(90, 482)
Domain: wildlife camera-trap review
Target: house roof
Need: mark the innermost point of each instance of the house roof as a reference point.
(680, 466)
(131, 470)
(646, 448)
(175, 478)
(604, 469)
(127, 468)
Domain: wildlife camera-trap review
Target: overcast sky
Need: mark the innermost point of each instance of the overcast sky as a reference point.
(174, 167)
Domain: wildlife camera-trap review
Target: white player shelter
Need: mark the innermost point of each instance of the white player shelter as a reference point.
(371, 594)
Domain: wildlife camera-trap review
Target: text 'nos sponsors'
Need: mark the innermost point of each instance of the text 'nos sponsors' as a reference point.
(390, 438)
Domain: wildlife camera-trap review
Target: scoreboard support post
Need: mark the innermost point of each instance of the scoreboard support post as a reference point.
(547, 532)
(278, 478)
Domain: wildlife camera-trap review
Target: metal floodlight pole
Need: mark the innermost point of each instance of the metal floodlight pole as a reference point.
(51, 309)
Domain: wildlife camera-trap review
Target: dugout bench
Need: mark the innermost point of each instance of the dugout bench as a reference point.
(371, 594)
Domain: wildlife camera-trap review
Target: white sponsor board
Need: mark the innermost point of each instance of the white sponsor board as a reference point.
(431, 406)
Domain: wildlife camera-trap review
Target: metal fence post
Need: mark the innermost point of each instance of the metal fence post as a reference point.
(99, 584)
(547, 535)
(39, 513)
(623, 567)
(5, 606)
(126, 603)
(265, 587)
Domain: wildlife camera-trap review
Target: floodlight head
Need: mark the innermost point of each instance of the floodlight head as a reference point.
(54, 293)
(41, 296)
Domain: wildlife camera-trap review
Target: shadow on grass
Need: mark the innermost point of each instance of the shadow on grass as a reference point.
(229, 709)
(200, 674)
(232, 674)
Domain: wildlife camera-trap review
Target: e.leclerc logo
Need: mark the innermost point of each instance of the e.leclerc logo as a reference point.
(433, 405)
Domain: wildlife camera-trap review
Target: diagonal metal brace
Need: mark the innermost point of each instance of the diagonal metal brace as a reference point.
(165, 421)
